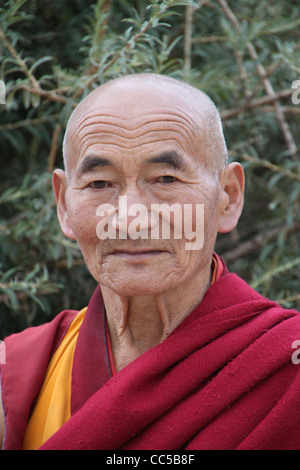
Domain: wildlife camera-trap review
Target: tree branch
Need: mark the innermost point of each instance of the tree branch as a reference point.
(230, 113)
(49, 95)
(53, 148)
(29, 122)
(269, 165)
(20, 61)
(255, 243)
(188, 41)
(267, 84)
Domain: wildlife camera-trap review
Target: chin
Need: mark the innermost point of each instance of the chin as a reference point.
(124, 289)
(134, 277)
(136, 285)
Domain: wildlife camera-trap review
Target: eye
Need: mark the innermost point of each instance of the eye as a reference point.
(99, 184)
(167, 179)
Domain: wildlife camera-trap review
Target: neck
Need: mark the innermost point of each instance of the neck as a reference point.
(138, 323)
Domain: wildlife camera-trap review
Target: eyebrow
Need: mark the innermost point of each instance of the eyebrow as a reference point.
(172, 159)
(90, 162)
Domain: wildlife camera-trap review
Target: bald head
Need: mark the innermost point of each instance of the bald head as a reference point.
(130, 97)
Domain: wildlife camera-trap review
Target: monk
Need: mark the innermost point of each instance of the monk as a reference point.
(173, 351)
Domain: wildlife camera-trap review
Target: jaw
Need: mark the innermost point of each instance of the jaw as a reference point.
(130, 275)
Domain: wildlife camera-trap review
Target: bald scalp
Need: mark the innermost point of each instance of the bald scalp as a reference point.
(198, 105)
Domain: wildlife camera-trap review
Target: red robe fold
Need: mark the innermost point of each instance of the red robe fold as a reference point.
(27, 358)
(224, 379)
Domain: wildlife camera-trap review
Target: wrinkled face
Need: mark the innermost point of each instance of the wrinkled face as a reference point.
(149, 149)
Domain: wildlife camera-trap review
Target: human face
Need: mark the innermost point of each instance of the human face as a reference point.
(147, 148)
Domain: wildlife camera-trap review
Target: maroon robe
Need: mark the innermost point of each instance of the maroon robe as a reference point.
(223, 379)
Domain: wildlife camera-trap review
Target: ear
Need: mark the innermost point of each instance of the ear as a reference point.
(233, 183)
(60, 184)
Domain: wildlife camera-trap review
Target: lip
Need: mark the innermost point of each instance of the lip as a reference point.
(137, 254)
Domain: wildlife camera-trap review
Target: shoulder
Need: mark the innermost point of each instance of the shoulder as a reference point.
(27, 358)
(24, 345)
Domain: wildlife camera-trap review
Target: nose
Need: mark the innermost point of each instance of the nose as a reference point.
(129, 217)
(133, 217)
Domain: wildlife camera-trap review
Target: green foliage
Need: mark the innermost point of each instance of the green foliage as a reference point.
(245, 55)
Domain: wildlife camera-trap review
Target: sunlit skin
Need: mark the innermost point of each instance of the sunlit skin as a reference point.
(148, 140)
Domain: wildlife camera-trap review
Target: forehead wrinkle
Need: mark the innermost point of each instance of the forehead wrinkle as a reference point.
(178, 118)
(135, 150)
(103, 135)
(105, 125)
(105, 132)
(170, 111)
(139, 131)
(190, 132)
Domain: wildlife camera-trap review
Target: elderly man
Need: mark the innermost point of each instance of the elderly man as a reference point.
(173, 351)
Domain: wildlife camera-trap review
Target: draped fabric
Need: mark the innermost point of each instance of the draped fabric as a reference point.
(27, 357)
(53, 406)
(63, 387)
(223, 379)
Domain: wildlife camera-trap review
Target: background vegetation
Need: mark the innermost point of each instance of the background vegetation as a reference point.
(244, 54)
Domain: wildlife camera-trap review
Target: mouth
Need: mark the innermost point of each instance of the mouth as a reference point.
(137, 254)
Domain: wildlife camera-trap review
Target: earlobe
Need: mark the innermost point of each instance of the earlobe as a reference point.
(233, 182)
(59, 181)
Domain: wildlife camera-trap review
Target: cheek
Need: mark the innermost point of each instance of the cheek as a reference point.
(83, 222)
(196, 219)
(200, 224)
